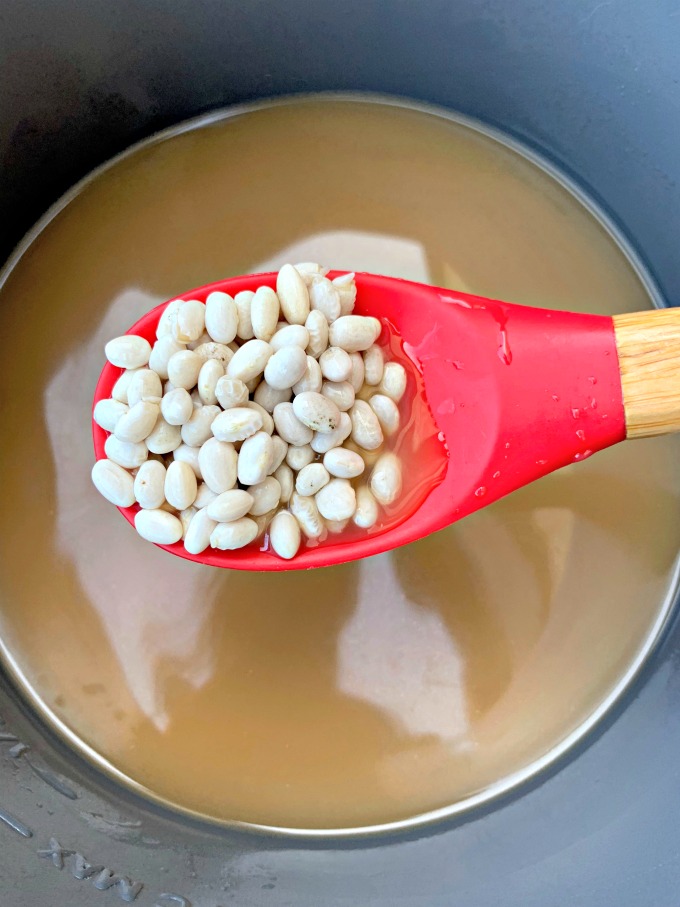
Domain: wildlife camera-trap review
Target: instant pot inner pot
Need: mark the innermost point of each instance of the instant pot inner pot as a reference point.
(594, 87)
(406, 687)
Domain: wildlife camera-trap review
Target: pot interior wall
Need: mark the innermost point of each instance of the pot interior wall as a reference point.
(593, 84)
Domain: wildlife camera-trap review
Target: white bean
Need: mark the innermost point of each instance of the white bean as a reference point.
(266, 496)
(386, 479)
(221, 317)
(144, 385)
(120, 388)
(366, 430)
(138, 422)
(354, 333)
(231, 392)
(149, 485)
(204, 494)
(128, 351)
(311, 479)
(284, 535)
(230, 505)
(290, 335)
(343, 463)
(128, 454)
(358, 372)
(348, 292)
(158, 526)
(107, 413)
(190, 321)
(284, 476)
(197, 537)
(387, 412)
(336, 500)
(286, 367)
(325, 298)
(264, 313)
(166, 323)
(180, 485)
(230, 536)
(218, 463)
(114, 483)
(177, 406)
(250, 360)
(336, 364)
(255, 458)
(374, 365)
(312, 378)
(393, 382)
(307, 514)
(299, 457)
(317, 329)
(340, 392)
(163, 350)
(243, 302)
(236, 424)
(211, 350)
(289, 426)
(366, 514)
(268, 397)
(164, 437)
(189, 455)
(323, 442)
(183, 368)
(199, 427)
(293, 295)
(316, 411)
(280, 451)
(267, 421)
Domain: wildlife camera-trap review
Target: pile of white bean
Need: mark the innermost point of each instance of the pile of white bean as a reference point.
(254, 415)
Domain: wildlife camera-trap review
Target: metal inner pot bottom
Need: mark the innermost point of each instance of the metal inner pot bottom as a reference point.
(354, 241)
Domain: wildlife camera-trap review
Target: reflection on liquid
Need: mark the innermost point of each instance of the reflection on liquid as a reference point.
(358, 694)
(161, 614)
(402, 660)
(357, 250)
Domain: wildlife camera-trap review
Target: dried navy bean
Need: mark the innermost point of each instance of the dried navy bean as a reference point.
(114, 483)
(221, 317)
(336, 500)
(158, 526)
(284, 535)
(128, 351)
(237, 534)
(316, 412)
(293, 295)
(230, 505)
(149, 485)
(218, 463)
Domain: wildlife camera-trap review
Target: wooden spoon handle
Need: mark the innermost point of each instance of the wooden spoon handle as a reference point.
(648, 344)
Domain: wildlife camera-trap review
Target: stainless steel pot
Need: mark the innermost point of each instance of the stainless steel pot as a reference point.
(595, 87)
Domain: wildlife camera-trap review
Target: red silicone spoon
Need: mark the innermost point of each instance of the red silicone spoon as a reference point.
(498, 395)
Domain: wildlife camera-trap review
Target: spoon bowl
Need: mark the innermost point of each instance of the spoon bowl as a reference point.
(498, 395)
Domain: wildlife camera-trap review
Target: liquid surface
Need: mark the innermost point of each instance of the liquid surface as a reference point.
(367, 693)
